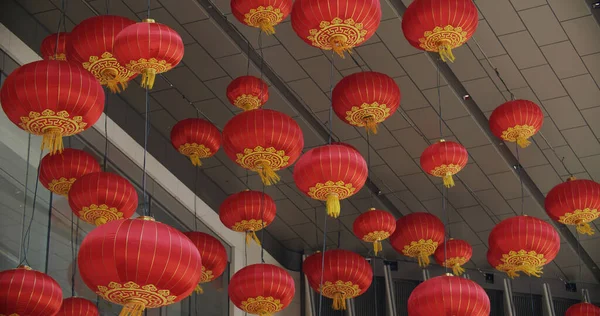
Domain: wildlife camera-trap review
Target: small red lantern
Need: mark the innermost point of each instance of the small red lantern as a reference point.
(27, 292)
(374, 226)
(248, 212)
(77, 306)
(575, 202)
(264, 14)
(196, 138)
(418, 235)
(261, 289)
(248, 92)
(214, 256)
(54, 46)
(517, 121)
(444, 159)
(58, 172)
(583, 309)
(454, 253)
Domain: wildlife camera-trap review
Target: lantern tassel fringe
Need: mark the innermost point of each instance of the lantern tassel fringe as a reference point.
(247, 106)
(423, 260)
(100, 221)
(523, 142)
(377, 247)
(457, 269)
(199, 289)
(446, 53)
(250, 235)
(448, 180)
(148, 77)
(339, 302)
(196, 160)
(267, 174)
(114, 82)
(339, 46)
(52, 140)
(333, 205)
(585, 229)
(525, 268)
(263, 313)
(133, 309)
(266, 26)
(371, 125)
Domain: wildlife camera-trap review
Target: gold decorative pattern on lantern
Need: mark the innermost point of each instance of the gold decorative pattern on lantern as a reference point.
(193, 149)
(376, 236)
(421, 250)
(451, 262)
(207, 275)
(448, 35)
(253, 159)
(322, 190)
(260, 15)
(346, 32)
(99, 214)
(108, 71)
(518, 133)
(144, 64)
(261, 305)
(579, 216)
(60, 56)
(358, 116)
(14, 314)
(41, 123)
(347, 289)
(248, 225)
(148, 295)
(529, 262)
(61, 186)
(443, 170)
(247, 102)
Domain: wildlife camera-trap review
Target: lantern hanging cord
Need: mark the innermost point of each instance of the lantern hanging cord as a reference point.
(323, 263)
(248, 57)
(146, 132)
(512, 96)
(148, 9)
(74, 252)
(561, 159)
(375, 288)
(48, 233)
(263, 225)
(105, 156)
(331, 98)
(107, 5)
(61, 22)
(196, 170)
(27, 234)
(519, 167)
(25, 198)
(439, 96)
(371, 197)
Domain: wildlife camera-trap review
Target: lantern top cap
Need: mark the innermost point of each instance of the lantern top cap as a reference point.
(24, 266)
(146, 218)
(372, 209)
(149, 20)
(571, 178)
(449, 274)
(442, 140)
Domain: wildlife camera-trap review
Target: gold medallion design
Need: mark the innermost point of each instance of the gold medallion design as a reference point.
(321, 191)
(108, 71)
(41, 123)
(579, 216)
(358, 116)
(346, 289)
(419, 248)
(147, 295)
(247, 102)
(99, 214)
(519, 134)
(451, 262)
(248, 225)
(253, 159)
(261, 305)
(443, 36)
(59, 56)
(376, 236)
(337, 32)
(529, 262)
(61, 186)
(141, 65)
(445, 170)
(207, 275)
(194, 149)
(264, 18)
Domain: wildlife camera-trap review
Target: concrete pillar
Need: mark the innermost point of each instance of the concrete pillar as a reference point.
(509, 308)
(389, 290)
(548, 306)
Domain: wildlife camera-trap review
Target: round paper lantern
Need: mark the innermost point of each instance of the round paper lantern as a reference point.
(148, 48)
(444, 159)
(454, 253)
(53, 99)
(575, 202)
(248, 212)
(91, 46)
(374, 226)
(263, 141)
(77, 306)
(27, 292)
(58, 172)
(516, 121)
(54, 46)
(365, 99)
(264, 14)
(248, 92)
(522, 244)
(340, 25)
(139, 263)
(214, 256)
(261, 289)
(196, 138)
(101, 197)
(583, 309)
(346, 275)
(418, 235)
(439, 26)
(448, 295)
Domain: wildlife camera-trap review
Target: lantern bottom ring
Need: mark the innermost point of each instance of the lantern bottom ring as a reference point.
(61, 186)
(262, 305)
(337, 34)
(519, 134)
(346, 289)
(421, 250)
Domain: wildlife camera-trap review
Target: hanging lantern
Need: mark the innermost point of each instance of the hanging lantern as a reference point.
(248, 92)
(522, 244)
(374, 226)
(49, 49)
(148, 48)
(340, 26)
(58, 172)
(435, 26)
(27, 292)
(418, 235)
(263, 141)
(139, 263)
(264, 14)
(365, 99)
(346, 275)
(196, 138)
(91, 46)
(214, 257)
(575, 202)
(53, 99)
(101, 197)
(516, 121)
(448, 295)
(454, 253)
(444, 159)
(261, 289)
(77, 306)
(248, 212)
(583, 309)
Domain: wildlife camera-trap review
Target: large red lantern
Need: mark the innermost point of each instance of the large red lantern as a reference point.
(346, 275)
(264, 14)
(374, 226)
(58, 172)
(340, 25)
(91, 46)
(101, 197)
(516, 121)
(248, 212)
(448, 295)
(196, 138)
(139, 263)
(418, 235)
(331, 173)
(261, 289)
(439, 26)
(214, 256)
(52, 98)
(575, 202)
(453, 253)
(444, 159)
(263, 141)
(27, 292)
(148, 48)
(77, 306)
(54, 46)
(248, 92)
(583, 309)
(522, 244)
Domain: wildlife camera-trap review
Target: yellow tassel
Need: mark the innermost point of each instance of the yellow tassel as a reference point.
(370, 125)
(114, 82)
(148, 76)
(525, 268)
(585, 228)
(457, 269)
(266, 173)
(523, 142)
(446, 52)
(52, 140)
(195, 160)
(199, 289)
(133, 309)
(339, 302)
(377, 247)
(263, 313)
(333, 205)
(100, 221)
(423, 260)
(247, 106)
(448, 180)
(339, 46)
(267, 27)
(252, 235)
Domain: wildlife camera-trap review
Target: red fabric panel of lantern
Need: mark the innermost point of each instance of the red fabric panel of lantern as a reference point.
(418, 235)
(49, 48)
(58, 172)
(27, 292)
(77, 306)
(247, 211)
(516, 121)
(196, 138)
(575, 202)
(374, 226)
(444, 159)
(248, 92)
(583, 309)
(214, 256)
(453, 253)
(264, 14)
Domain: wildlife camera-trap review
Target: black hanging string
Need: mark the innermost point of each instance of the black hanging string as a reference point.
(22, 248)
(518, 167)
(262, 224)
(48, 234)
(74, 246)
(248, 55)
(375, 287)
(323, 262)
(444, 189)
(331, 98)
(27, 234)
(61, 22)
(105, 157)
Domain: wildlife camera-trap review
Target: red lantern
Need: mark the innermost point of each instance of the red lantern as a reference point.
(516, 121)
(58, 172)
(49, 49)
(77, 306)
(248, 92)
(264, 14)
(139, 263)
(101, 197)
(261, 289)
(454, 253)
(196, 138)
(247, 211)
(340, 25)
(91, 46)
(346, 275)
(575, 202)
(214, 256)
(583, 309)
(522, 244)
(374, 226)
(436, 26)
(366, 99)
(448, 295)
(331, 173)
(148, 48)
(27, 292)
(263, 141)
(418, 235)
(444, 159)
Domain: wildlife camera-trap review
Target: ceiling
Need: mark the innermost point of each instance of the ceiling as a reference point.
(546, 51)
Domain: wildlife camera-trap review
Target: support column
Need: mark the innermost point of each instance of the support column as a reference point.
(509, 308)
(585, 295)
(548, 306)
(425, 273)
(389, 290)
(308, 294)
(350, 307)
